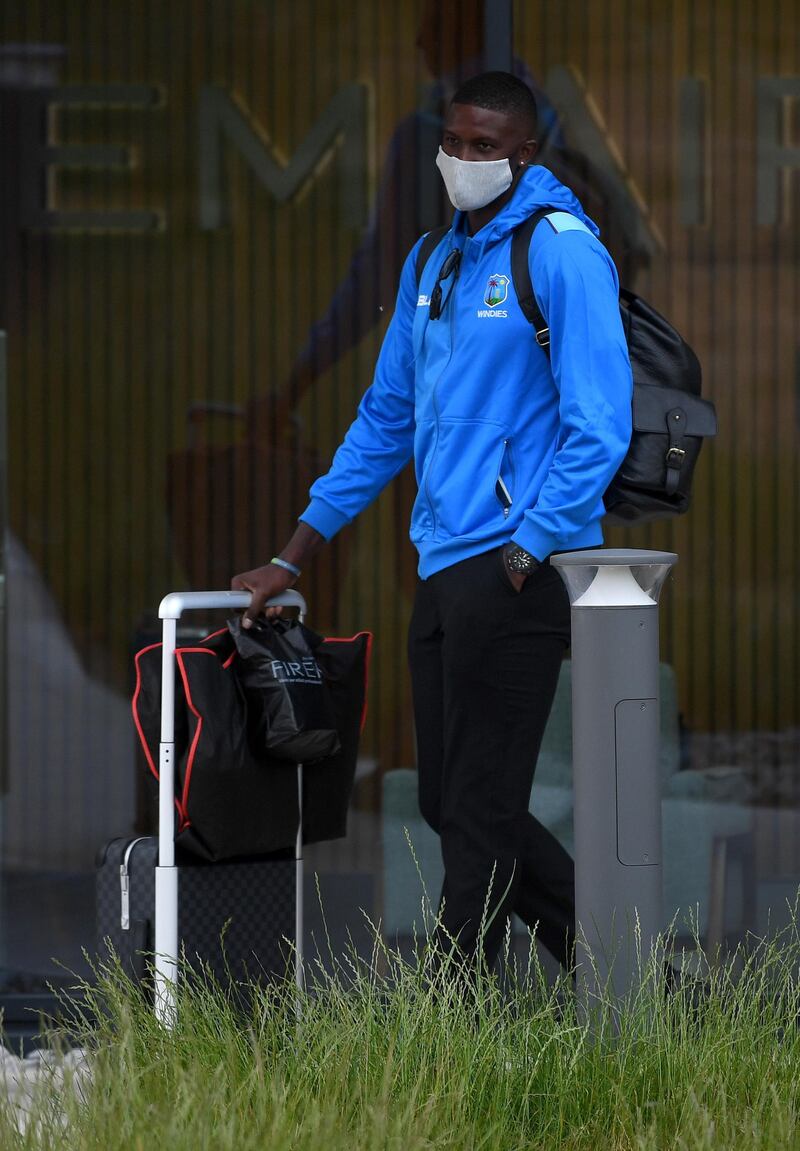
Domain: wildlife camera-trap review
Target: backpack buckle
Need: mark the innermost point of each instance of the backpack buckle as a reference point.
(543, 337)
(675, 457)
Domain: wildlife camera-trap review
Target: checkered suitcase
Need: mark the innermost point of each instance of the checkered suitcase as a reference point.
(241, 920)
(235, 920)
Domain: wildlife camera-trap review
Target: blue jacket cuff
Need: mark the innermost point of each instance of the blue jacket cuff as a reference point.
(323, 518)
(541, 543)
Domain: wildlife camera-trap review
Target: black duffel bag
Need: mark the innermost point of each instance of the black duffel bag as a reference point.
(233, 797)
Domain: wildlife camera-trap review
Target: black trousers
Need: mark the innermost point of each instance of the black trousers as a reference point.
(484, 664)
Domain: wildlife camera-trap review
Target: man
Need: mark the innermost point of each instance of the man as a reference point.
(513, 452)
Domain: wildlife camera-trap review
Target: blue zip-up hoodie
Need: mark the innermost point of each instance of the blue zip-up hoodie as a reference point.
(475, 400)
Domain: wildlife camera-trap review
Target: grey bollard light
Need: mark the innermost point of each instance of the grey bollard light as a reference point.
(615, 735)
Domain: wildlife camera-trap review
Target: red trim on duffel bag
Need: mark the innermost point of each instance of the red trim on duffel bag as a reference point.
(350, 639)
(137, 691)
(180, 804)
(187, 779)
(214, 634)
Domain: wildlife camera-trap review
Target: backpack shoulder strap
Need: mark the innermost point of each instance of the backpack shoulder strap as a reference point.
(521, 275)
(429, 243)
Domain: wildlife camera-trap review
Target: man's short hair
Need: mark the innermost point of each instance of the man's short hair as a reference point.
(500, 92)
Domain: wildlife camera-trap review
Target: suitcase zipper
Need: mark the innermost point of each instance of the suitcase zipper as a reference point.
(124, 886)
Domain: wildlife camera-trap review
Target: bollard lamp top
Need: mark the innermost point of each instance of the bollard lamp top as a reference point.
(614, 577)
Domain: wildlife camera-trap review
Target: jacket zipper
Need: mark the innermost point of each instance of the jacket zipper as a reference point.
(451, 305)
(501, 488)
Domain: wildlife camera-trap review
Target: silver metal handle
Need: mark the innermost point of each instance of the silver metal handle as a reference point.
(176, 603)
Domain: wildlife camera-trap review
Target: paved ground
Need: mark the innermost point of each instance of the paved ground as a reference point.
(22, 1078)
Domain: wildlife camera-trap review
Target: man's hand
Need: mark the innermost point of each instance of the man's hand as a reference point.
(270, 580)
(264, 583)
(517, 580)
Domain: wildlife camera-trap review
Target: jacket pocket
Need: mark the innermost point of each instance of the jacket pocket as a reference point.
(462, 480)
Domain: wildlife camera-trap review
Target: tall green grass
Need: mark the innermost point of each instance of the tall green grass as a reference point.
(403, 1061)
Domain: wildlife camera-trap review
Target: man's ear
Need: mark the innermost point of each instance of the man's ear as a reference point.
(528, 151)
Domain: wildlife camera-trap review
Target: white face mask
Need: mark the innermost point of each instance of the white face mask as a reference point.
(472, 184)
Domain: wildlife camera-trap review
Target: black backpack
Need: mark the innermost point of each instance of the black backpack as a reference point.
(670, 420)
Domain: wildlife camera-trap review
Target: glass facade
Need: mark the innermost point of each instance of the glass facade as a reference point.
(204, 212)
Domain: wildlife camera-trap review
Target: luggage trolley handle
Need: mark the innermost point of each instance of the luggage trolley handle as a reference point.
(170, 611)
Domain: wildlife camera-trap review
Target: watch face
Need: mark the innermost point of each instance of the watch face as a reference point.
(520, 561)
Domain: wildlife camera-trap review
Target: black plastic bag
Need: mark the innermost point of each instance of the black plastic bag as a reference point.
(289, 708)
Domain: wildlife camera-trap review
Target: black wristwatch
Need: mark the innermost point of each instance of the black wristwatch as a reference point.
(518, 561)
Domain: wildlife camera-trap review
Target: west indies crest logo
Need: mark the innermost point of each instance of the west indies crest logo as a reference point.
(496, 291)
